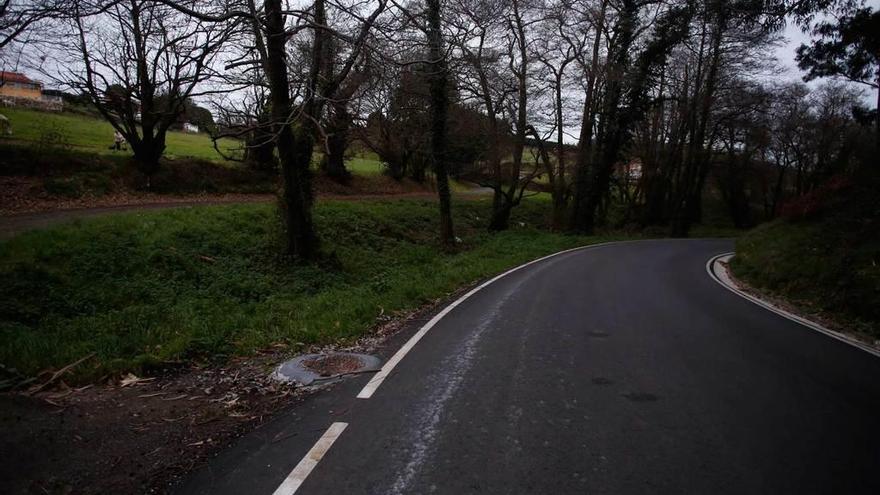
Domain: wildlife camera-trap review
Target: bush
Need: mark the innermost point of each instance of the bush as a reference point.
(67, 187)
(199, 176)
(28, 161)
(824, 255)
(53, 138)
(814, 202)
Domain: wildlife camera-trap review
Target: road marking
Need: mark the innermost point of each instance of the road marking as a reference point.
(371, 386)
(296, 477)
(720, 275)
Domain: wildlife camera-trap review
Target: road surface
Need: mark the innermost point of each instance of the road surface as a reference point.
(612, 370)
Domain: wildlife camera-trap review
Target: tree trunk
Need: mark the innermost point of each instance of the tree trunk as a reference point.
(582, 167)
(147, 154)
(294, 154)
(506, 199)
(500, 217)
(689, 208)
(557, 177)
(333, 163)
(594, 181)
(439, 110)
(260, 145)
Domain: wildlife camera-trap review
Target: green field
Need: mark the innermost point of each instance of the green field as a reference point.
(143, 289)
(90, 135)
(96, 136)
(364, 166)
(85, 135)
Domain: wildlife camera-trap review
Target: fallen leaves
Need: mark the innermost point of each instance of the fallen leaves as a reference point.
(131, 379)
(57, 374)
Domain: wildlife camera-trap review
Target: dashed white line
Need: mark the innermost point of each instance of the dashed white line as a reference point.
(296, 477)
(308, 463)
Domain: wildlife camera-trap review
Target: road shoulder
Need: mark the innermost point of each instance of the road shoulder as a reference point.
(719, 269)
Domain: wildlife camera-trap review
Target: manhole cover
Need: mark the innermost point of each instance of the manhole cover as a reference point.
(323, 368)
(334, 364)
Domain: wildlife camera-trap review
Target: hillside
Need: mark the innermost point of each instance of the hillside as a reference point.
(91, 135)
(84, 135)
(823, 255)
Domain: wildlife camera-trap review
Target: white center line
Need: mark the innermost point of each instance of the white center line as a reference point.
(296, 477)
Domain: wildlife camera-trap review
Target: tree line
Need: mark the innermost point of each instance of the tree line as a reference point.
(625, 111)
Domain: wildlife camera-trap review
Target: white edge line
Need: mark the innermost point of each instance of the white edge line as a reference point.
(371, 386)
(296, 477)
(723, 278)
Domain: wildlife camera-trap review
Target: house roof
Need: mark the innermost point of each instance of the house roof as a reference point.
(15, 77)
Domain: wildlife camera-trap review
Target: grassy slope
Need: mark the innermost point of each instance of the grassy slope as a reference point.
(96, 136)
(827, 263)
(184, 284)
(93, 136)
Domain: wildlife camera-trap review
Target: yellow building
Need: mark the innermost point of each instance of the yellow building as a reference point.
(19, 86)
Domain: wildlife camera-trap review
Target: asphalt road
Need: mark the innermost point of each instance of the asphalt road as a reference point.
(618, 369)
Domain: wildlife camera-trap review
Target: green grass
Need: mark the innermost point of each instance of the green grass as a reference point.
(87, 135)
(143, 289)
(827, 263)
(95, 135)
(364, 166)
(368, 164)
(90, 135)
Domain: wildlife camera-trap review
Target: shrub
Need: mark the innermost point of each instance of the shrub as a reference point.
(814, 202)
(67, 187)
(53, 138)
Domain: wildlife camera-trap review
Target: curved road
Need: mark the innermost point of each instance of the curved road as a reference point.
(617, 369)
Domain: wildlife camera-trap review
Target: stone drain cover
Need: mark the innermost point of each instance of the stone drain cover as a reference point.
(324, 368)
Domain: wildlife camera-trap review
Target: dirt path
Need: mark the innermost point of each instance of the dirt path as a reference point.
(11, 225)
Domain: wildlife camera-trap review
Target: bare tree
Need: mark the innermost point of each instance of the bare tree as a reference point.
(295, 117)
(592, 68)
(495, 43)
(562, 42)
(139, 63)
(486, 79)
(439, 112)
(19, 16)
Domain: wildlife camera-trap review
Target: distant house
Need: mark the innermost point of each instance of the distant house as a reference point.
(190, 127)
(17, 89)
(629, 170)
(19, 86)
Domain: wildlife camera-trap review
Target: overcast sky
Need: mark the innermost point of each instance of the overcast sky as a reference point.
(795, 38)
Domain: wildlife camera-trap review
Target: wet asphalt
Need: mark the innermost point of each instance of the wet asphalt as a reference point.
(621, 369)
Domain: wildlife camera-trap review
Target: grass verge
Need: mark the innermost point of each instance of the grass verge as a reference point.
(824, 259)
(147, 289)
